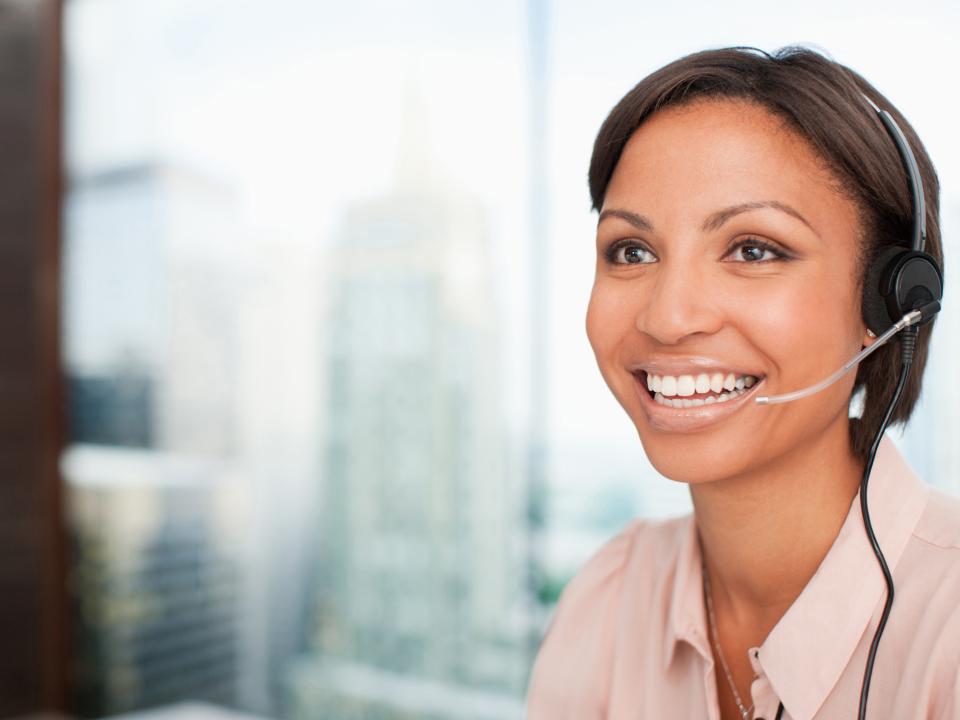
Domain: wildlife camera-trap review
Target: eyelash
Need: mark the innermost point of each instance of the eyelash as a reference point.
(612, 251)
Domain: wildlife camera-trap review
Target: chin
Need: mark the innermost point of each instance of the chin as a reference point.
(710, 452)
(694, 460)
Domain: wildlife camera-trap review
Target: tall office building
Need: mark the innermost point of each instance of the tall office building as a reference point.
(415, 609)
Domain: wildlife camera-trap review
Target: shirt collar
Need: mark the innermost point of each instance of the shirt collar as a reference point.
(805, 653)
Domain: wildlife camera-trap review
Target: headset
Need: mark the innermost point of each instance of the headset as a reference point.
(901, 291)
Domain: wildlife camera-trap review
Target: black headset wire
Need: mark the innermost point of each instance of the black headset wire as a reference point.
(908, 341)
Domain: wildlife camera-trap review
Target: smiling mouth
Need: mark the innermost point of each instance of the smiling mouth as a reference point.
(686, 391)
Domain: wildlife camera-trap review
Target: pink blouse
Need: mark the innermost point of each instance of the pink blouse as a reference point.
(628, 638)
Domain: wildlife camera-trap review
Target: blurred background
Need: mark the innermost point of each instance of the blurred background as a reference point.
(299, 415)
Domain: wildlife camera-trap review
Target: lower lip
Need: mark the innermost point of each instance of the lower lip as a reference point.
(691, 419)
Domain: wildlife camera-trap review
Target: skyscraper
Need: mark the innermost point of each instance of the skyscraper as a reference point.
(418, 561)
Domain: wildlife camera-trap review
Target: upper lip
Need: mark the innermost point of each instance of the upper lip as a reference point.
(689, 365)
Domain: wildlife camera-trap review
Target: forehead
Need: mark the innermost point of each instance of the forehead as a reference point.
(716, 153)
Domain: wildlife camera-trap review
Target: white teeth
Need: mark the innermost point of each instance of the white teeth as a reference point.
(687, 385)
(683, 402)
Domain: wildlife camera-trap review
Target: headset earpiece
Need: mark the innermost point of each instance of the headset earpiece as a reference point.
(902, 279)
(898, 281)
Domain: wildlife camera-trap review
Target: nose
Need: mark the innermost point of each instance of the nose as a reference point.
(678, 303)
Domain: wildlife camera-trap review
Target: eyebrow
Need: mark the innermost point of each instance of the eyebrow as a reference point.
(714, 220)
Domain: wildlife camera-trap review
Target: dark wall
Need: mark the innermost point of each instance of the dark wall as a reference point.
(33, 637)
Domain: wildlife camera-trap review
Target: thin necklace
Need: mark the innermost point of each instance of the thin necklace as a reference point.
(744, 712)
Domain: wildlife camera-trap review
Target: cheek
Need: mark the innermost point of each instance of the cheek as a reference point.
(805, 329)
(772, 316)
(608, 318)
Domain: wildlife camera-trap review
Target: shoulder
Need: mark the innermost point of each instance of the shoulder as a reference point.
(933, 550)
(927, 589)
(932, 556)
(939, 526)
(573, 661)
(931, 559)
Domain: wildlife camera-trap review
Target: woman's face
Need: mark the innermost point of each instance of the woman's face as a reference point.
(724, 247)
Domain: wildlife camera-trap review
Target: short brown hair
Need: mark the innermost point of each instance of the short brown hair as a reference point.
(823, 102)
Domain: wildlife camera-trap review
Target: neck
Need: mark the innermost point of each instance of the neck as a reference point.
(765, 533)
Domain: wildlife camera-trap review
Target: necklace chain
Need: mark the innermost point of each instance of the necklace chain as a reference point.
(744, 712)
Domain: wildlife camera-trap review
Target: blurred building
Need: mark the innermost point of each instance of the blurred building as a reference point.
(151, 330)
(112, 407)
(415, 604)
(154, 578)
(149, 298)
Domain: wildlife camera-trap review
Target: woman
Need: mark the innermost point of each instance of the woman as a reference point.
(741, 198)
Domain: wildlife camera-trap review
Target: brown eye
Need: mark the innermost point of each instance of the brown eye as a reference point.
(753, 251)
(633, 254)
(627, 252)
